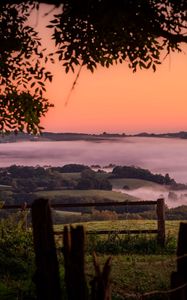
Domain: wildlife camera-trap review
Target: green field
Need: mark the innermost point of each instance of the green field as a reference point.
(136, 272)
(135, 275)
(89, 195)
(172, 227)
(119, 183)
(139, 265)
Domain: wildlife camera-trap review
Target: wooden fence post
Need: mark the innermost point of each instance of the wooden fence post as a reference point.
(101, 283)
(74, 262)
(161, 221)
(179, 278)
(47, 273)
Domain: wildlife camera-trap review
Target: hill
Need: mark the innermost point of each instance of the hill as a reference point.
(140, 173)
(133, 183)
(73, 136)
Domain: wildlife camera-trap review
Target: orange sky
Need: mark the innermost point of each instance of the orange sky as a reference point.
(116, 100)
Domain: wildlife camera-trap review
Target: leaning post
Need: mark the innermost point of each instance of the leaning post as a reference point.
(161, 221)
(74, 262)
(47, 271)
(179, 277)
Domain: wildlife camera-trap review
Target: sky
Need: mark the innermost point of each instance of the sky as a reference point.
(117, 100)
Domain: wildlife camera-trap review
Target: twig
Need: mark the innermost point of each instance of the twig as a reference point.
(73, 85)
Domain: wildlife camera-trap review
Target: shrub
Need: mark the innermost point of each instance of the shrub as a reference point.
(16, 259)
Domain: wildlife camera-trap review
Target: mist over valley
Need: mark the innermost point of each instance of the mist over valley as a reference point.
(159, 155)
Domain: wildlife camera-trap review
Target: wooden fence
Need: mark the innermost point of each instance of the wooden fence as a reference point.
(47, 279)
(179, 278)
(160, 212)
(47, 273)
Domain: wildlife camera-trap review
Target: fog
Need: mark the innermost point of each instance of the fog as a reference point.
(159, 155)
(148, 193)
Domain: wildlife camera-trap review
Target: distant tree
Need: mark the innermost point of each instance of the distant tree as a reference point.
(135, 172)
(73, 168)
(168, 179)
(26, 185)
(89, 181)
(86, 33)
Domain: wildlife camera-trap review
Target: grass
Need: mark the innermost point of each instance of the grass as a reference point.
(134, 271)
(67, 213)
(144, 266)
(89, 195)
(171, 226)
(137, 274)
(139, 265)
(119, 183)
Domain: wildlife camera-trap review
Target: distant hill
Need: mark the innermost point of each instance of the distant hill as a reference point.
(70, 136)
(51, 136)
(180, 134)
(140, 173)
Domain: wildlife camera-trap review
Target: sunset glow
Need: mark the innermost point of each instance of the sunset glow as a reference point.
(116, 100)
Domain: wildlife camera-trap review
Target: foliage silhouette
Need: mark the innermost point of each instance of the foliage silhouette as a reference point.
(86, 33)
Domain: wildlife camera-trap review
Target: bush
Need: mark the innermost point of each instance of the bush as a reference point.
(16, 259)
(73, 168)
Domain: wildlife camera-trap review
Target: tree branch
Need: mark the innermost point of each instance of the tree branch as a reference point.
(50, 2)
(174, 38)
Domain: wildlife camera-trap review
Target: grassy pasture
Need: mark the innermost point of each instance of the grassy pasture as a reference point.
(134, 273)
(119, 183)
(67, 213)
(172, 227)
(88, 194)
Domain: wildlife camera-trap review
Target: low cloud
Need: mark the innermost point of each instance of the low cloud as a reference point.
(172, 198)
(159, 155)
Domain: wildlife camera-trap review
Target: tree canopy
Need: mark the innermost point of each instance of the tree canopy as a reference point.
(85, 33)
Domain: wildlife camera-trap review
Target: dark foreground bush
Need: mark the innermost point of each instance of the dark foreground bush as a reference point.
(16, 260)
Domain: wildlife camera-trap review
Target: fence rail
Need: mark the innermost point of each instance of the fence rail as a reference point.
(132, 231)
(160, 211)
(47, 278)
(89, 204)
(74, 261)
